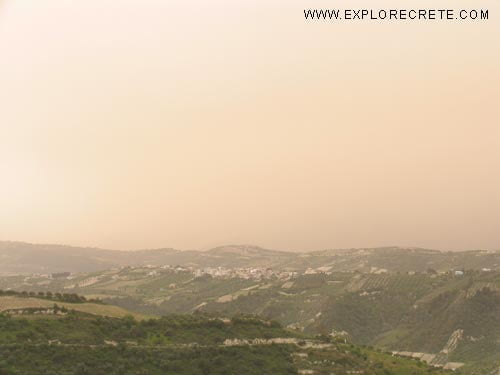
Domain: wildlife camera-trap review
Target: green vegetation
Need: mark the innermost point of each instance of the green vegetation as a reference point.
(77, 328)
(394, 311)
(123, 360)
(80, 344)
(58, 297)
(394, 299)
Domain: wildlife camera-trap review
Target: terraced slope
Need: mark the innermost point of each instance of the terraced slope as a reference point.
(182, 345)
(415, 313)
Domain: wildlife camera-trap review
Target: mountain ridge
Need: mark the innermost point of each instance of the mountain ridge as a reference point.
(27, 258)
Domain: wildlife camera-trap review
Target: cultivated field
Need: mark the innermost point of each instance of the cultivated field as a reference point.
(15, 303)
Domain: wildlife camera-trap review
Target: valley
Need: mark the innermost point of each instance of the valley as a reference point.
(438, 308)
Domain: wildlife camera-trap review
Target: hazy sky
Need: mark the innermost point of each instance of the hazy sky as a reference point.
(192, 123)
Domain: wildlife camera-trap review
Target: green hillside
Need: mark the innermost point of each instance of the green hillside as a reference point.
(401, 312)
(181, 344)
(438, 309)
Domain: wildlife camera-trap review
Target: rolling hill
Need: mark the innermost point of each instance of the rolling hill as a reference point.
(410, 313)
(24, 258)
(77, 344)
(439, 306)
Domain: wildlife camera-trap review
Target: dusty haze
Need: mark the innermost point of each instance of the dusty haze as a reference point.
(136, 124)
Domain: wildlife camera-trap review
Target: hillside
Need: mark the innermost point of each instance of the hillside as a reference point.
(182, 345)
(19, 305)
(23, 258)
(441, 307)
(403, 312)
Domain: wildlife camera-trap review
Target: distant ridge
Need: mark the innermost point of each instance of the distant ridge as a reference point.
(27, 258)
(247, 250)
